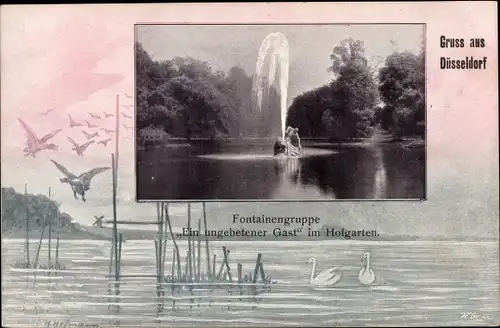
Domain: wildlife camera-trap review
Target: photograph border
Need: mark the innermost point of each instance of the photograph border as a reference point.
(364, 200)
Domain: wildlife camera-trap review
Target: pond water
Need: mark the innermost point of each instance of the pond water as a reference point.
(236, 171)
(417, 284)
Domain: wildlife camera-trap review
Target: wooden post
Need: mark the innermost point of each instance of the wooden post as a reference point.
(28, 262)
(207, 250)
(239, 272)
(190, 265)
(198, 258)
(178, 256)
(256, 271)
(50, 231)
(114, 167)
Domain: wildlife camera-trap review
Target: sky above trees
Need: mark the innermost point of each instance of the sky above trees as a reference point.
(310, 46)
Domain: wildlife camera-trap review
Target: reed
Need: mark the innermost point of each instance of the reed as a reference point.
(111, 254)
(198, 258)
(50, 232)
(164, 234)
(178, 256)
(28, 263)
(190, 262)
(35, 262)
(207, 249)
(115, 227)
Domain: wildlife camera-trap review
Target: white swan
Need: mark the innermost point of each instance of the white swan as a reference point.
(327, 277)
(366, 275)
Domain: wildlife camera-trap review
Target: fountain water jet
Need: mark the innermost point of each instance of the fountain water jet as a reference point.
(275, 45)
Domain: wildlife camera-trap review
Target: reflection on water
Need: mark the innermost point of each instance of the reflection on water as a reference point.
(251, 172)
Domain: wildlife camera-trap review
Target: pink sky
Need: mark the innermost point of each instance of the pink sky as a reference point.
(76, 58)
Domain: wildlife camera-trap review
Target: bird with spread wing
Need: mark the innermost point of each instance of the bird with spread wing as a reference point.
(35, 144)
(81, 183)
(80, 149)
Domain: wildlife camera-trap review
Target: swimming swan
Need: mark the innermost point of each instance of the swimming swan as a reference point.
(366, 275)
(327, 277)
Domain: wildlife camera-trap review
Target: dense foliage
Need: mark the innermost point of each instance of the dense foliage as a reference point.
(184, 98)
(38, 209)
(402, 88)
(349, 106)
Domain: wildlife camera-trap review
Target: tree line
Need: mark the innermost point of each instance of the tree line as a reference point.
(360, 99)
(38, 210)
(185, 98)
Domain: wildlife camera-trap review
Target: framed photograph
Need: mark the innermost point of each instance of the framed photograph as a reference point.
(263, 112)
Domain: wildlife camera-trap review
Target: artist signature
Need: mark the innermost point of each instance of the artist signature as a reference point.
(474, 316)
(68, 324)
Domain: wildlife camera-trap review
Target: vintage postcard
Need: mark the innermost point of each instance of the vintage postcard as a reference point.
(250, 164)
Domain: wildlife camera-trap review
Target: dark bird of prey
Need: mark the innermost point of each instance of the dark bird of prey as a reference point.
(128, 128)
(106, 115)
(79, 183)
(128, 96)
(80, 149)
(72, 123)
(126, 116)
(90, 125)
(90, 136)
(35, 144)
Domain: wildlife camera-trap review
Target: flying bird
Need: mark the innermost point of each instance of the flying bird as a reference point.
(95, 116)
(90, 136)
(128, 128)
(104, 142)
(106, 115)
(72, 123)
(128, 96)
(98, 221)
(90, 125)
(80, 149)
(126, 116)
(128, 106)
(81, 183)
(107, 131)
(35, 144)
(47, 112)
